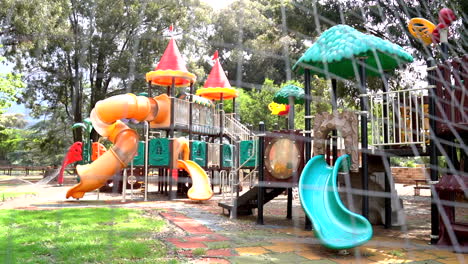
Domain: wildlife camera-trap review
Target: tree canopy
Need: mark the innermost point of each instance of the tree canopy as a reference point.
(74, 53)
(10, 87)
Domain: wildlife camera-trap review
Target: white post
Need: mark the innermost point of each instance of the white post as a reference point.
(124, 184)
(146, 158)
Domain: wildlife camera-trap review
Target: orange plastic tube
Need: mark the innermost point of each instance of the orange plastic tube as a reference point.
(105, 118)
(98, 150)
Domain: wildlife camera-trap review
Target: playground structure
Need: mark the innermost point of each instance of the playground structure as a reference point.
(189, 114)
(400, 121)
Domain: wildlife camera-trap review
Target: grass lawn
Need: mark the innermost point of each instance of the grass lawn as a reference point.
(91, 235)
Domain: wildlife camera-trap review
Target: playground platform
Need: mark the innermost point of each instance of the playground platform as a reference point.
(201, 227)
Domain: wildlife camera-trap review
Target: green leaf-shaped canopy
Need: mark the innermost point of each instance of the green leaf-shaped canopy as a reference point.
(337, 47)
(281, 97)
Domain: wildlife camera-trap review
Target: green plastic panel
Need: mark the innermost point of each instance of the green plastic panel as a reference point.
(139, 159)
(248, 153)
(228, 157)
(159, 152)
(198, 152)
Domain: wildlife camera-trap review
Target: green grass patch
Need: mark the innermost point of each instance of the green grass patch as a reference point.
(218, 245)
(90, 235)
(8, 195)
(199, 252)
(397, 253)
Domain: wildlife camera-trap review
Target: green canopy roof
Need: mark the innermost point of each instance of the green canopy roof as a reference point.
(202, 101)
(337, 47)
(281, 97)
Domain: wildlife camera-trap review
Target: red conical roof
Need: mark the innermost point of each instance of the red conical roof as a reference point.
(217, 85)
(171, 65)
(171, 59)
(217, 77)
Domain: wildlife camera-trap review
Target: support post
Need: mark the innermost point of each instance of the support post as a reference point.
(234, 110)
(451, 150)
(364, 137)
(221, 130)
(291, 128)
(190, 135)
(146, 124)
(171, 141)
(289, 205)
(308, 127)
(124, 183)
(149, 89)
(291, 113)
(334, 140)
(434, 163)
(261, 183)
(388, 172)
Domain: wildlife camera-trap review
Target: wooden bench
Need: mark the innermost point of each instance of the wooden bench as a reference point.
(420, 184)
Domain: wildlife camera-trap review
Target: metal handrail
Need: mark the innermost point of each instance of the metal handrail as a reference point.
(236, 128)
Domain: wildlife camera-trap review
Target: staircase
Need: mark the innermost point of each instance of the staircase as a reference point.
(235, 129)
(248, 201)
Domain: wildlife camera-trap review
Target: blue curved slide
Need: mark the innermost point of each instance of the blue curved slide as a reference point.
(335, 225)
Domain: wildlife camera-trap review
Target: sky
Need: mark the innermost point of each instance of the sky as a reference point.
(217, 4)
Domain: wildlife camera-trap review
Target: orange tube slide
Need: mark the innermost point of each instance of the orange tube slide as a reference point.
(105, 118)
(201, 187)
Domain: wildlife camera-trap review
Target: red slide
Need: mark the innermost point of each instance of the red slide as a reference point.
(74, 154)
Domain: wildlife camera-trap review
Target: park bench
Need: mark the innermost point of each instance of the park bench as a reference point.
(9, 169)
(420, 184)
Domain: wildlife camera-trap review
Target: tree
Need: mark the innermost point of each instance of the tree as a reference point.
(254, 104)
(79, 52)
(11, 133)
(10, 84)
(251, 43)
(16, 120)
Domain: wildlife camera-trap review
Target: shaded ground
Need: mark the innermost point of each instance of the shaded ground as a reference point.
(200, 233)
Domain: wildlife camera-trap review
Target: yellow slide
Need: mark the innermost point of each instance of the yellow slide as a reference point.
(106, 117)
(201, 188)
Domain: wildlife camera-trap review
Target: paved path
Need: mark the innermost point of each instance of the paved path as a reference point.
(207, 236)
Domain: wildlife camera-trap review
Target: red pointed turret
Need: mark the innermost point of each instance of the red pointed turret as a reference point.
(217, 85)
(171, 65)
(217, 77)
(171, 59)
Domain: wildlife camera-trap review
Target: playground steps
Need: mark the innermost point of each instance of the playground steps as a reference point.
(248, 201)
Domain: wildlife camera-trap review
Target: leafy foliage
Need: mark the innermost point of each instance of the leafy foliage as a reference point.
(254, 104)
(10, 84)
(79, 52)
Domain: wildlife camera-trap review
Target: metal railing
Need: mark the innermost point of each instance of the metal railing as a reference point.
(181, 112)
(236, 129)
(399, 118)
(232, 179)
(213, 154)
(204, 120)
